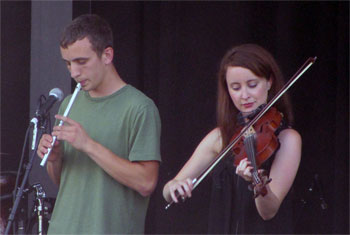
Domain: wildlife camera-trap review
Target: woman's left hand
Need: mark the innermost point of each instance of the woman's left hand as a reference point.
(244, 169)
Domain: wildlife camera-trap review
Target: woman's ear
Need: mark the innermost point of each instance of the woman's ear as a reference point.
(269, 84)
(107, 55)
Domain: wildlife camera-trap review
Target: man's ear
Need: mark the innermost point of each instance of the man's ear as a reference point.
(107, 55)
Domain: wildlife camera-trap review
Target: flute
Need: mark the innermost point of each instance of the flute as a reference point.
(75, 93)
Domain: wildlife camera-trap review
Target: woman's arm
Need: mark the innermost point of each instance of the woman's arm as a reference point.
(204, 154)
(283, 171)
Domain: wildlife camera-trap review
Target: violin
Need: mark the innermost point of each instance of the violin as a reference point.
(258, 144)
(259, 182)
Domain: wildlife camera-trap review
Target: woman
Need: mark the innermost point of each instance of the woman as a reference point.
(248, 78)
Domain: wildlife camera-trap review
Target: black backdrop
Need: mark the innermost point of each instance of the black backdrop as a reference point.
(171, 51)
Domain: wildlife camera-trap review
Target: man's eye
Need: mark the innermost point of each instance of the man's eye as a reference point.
(81, 62)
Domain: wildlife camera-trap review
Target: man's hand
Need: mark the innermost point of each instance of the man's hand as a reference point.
(72, 132)
(46, 143)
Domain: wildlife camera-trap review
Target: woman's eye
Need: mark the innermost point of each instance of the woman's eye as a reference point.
(252, 85)
(235, 87)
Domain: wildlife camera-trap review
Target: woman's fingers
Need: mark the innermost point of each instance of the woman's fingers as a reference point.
(244, 169)
(181, 188)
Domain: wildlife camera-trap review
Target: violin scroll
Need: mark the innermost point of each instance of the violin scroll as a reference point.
(260, 187)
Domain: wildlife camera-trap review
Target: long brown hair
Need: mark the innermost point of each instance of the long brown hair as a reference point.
(262, 64)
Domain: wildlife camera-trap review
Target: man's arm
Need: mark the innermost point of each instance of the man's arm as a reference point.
(54, 162)
(54, 170)
(141, 176)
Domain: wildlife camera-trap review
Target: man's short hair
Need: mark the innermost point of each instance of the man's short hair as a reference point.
(95, 28)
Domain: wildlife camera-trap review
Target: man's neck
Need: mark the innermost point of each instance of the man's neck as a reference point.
(111, 84)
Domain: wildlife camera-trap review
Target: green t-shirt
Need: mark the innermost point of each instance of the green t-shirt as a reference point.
(90, 201)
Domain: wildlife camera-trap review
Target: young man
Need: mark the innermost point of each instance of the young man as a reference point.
(107, 153)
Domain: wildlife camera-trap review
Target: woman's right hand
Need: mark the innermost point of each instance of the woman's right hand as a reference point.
(180, 188)
(46, 143)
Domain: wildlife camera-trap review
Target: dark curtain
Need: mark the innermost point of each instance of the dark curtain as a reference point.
(14, 100)
(14, 80)
(171, 51)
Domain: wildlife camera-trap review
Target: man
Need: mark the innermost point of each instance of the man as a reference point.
(107, 154)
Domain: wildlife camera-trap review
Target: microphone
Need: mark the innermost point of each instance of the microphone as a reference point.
(55, 95)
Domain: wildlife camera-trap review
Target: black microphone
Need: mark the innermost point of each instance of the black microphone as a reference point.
(55, 95)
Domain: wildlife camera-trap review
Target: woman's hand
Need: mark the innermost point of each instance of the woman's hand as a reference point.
(244, 169)
(180, 188)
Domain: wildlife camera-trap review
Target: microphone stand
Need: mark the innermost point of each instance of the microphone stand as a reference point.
(20, 191)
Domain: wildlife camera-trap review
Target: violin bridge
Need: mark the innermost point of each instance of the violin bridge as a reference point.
(249, 132)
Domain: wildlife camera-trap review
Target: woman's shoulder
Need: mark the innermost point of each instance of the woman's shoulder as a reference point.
(290, 144)
(214, 140)
(214, 134)
(288, 135)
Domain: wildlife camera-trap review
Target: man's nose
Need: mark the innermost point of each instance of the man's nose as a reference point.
(74, 71)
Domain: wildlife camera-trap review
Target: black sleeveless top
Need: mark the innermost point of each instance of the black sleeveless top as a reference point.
(232, 208)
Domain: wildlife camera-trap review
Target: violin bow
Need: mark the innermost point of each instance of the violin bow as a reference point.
(196, 181)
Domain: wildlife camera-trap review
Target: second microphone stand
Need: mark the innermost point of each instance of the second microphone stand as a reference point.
(37, 132)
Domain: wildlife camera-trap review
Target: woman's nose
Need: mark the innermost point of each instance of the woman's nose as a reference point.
(244, 93)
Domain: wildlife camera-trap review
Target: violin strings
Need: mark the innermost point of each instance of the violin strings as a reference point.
(228, 148)
(250, 149)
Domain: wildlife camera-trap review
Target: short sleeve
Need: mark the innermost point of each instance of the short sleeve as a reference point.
(145, 135)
